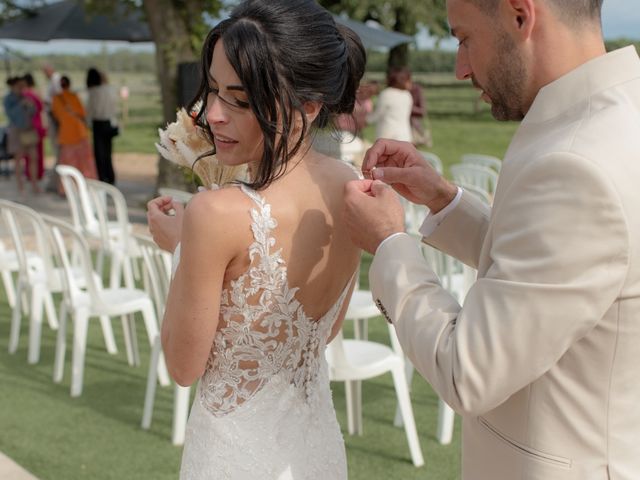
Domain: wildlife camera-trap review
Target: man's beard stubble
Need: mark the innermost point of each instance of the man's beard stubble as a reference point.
(506, 81)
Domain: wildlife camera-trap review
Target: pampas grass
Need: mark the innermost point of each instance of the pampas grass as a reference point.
(186, 145)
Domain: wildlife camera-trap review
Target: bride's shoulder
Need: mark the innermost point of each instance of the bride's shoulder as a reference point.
(218, 208)
(337, 169)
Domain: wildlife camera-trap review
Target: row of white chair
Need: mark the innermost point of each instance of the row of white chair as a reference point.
(64, 266)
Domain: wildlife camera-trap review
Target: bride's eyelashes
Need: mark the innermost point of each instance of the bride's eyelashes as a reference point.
(214, 92)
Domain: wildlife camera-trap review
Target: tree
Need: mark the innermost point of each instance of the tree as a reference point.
(404, 16)
(177, 27)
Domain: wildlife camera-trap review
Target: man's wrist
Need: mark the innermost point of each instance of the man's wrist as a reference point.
(447, 193)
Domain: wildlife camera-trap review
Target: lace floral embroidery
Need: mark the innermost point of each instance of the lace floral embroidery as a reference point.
(264, 331)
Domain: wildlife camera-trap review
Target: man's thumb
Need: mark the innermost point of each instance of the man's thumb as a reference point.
(379, 188)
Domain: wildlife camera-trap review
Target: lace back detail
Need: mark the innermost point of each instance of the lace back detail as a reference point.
(264, 332)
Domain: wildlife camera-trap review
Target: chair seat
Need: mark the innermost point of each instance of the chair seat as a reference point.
(365, 360)
(116, 301)
(9, 260)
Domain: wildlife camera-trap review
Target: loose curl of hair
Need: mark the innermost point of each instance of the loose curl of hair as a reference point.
(286, 53)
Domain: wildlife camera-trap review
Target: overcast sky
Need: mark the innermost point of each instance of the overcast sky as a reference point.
(619, 19)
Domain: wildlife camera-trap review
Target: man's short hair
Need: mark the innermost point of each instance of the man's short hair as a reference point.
(572, 12)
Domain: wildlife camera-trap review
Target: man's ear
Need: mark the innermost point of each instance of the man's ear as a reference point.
(311, 110)
(521, 17)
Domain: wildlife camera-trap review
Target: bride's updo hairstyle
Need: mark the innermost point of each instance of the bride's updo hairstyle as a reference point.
(286, 53)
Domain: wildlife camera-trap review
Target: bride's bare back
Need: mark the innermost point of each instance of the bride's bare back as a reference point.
(307, 204)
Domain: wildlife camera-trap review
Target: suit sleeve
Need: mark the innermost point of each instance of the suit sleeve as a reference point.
(471, 215)
(559, 257)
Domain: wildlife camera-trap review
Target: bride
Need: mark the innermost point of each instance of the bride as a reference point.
(265, 268)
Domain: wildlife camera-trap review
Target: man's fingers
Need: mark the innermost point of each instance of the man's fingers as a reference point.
(379, 188)
(355, 186)
(386, 152)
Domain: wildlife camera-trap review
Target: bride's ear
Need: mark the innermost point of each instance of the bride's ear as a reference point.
(311, 110)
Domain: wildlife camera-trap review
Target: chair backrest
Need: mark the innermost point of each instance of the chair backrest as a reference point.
(104, 195)
(26, 224)
(83, 211)
(69, 243)
(157, 265)
(478, 176)
(483, 160)
(434, 160)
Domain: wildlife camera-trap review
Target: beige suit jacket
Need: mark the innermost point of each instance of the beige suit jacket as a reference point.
(543, 359)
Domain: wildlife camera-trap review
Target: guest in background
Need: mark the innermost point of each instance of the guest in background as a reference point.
(73, 136)
(101, 110)
(421, 133)
(22, 137)
(38, 125)
(392, 114)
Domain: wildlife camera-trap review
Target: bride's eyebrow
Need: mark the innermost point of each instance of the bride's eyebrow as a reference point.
(237, 88)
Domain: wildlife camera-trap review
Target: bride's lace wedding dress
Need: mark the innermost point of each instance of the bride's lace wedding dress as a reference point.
(263, 409)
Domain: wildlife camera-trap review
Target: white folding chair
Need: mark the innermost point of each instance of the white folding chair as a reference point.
(157, 276)
(352, 361)
(478, 176)
(83, 210)
(36, 278)
(93, 300)
(8, 266)
(115, 235)
(484, 160)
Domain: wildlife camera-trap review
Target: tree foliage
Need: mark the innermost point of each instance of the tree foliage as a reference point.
(404, 16)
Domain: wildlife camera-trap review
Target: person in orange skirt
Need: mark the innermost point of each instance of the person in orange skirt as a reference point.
(73, 136)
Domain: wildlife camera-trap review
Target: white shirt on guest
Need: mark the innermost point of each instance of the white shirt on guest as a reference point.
(101, 103)
(392, 114)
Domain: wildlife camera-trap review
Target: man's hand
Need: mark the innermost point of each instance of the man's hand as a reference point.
(166, 229)
(372, 212)
(400, 165)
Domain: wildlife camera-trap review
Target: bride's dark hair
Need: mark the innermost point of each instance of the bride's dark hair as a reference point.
(286, 53)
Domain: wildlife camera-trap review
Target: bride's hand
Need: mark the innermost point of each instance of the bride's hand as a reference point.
(165, 228)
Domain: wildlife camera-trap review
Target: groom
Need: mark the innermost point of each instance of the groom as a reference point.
(543, 359)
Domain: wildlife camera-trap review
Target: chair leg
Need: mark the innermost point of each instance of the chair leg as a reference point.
(353, 394)
(35, 324)
(16, 319)
(61, 344)
(50, 308)
(408, 371)
(402, 392)
(130, 340)
(446, 418)
(107, 333)
(80, 327)
(9, 288)
(152, 378)
(180, 414)
(151, 324)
